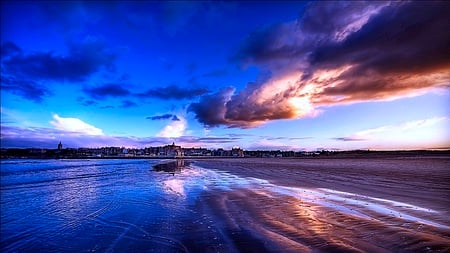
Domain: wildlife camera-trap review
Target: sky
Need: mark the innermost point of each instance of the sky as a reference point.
(292, 75)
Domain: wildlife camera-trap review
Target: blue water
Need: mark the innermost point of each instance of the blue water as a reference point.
(95, 205)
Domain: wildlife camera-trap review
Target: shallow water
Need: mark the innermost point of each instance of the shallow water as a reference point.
(140, 206)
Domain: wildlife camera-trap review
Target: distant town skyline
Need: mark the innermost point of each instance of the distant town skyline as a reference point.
(258, 75)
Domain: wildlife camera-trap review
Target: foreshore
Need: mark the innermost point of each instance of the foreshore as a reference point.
(351, 205)
(389, 204)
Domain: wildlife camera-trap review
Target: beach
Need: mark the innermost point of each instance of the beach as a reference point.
(391, 204)
(340, 205)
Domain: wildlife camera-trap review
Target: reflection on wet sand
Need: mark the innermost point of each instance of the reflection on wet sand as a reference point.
(286, 223)
(253, 215)
(173, 185)
(172, 167)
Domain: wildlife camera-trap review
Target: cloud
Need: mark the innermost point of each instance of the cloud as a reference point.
(349, 139)
(128, 104)
(277, 41)
(10, 50)
(217, 139)
(415, 134)
(27, 74)
(252, 106)
(27, 89)
(107, 90)
(264, 144)
(86, 102)
(399, 51)
(41, 137)
(173, 92)
(273, 138)
(401, 128)
(74, 125)
(81, 61)
(362, 51)
(210, 109)
(172, 117)
(175, 128)
(204, 141)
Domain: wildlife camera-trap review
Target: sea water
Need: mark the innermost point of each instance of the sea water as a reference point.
(111, 205)
(91, 205)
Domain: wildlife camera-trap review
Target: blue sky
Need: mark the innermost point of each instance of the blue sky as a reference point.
(259, 75)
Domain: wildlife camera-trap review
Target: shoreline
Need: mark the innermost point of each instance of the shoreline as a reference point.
(337, 157)
(358, 154)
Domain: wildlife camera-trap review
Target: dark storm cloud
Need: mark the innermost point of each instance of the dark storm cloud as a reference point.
(361, 51)
(27, 89)
(210, 109)
(172, 117)
(244, 107)
(293, 41)
(410, 39)
(399, 39)
(173, 92)
(107, 90)
(82, 60)
(268, 44)
(339, 15)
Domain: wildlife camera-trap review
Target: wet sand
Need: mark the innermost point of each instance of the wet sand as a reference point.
(226, 205)
(334, 205)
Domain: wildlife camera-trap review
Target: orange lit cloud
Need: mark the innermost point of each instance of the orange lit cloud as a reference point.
(362, 52)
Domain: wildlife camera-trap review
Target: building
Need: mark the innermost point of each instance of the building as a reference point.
(171, 150)
(237, 152)
(60, 146)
